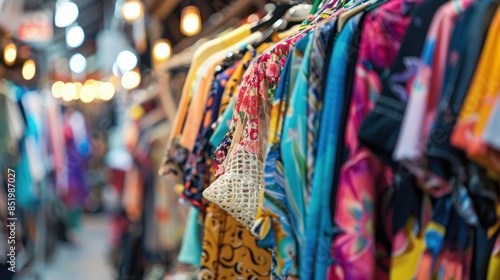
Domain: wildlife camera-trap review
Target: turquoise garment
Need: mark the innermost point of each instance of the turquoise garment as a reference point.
(223, 124)
(294, 142)
(190, 252)
(319, 220)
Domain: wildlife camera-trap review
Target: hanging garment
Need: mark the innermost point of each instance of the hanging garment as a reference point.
(363, 179)
(196, 170)
(175, 154)
(424, 96)
(294, 140)
(199, 57)
(230, 251)
(482, 86)
(191, 247)
(409, 245)
(453, 96)
(387, 115)
(201, 90)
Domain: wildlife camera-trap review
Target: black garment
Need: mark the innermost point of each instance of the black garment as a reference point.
(386, 118)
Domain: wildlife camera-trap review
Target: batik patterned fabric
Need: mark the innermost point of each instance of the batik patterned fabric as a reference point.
(230, 251)
(363, 179)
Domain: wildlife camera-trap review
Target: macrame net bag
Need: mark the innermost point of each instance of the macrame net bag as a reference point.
(238, 189)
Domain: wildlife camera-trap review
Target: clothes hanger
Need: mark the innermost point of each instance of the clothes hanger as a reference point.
(357, 7)
(354, 8)
(298, 13)
(325, 9)
(278, 12)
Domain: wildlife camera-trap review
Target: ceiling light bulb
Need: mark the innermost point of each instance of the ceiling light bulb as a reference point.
(133, 10)
(57, 89)
(66, 14)
(131, 80)
(162, 50)
(78, 63)
(75, 36)
(190, 21)
(10, 54)
(29, 69)
(126, 61)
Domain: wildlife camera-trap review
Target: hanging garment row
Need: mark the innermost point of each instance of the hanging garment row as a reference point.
(361, 145)
(43, 161)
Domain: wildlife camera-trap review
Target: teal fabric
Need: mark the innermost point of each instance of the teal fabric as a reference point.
(319, 219)
(190, 252)
(294, 144)
(223, 125)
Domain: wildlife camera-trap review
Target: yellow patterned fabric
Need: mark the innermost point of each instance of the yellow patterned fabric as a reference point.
(230, 251)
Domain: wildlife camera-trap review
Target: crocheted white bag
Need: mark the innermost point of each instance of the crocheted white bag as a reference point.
(237, 191)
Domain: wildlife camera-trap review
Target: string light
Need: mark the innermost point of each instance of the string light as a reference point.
(162, 50)
(131, 80)
(88, 93)
(68, 92)
(114, 81)
(133, 10)
(57, 89)
(29, 69)
(106, 91)
(190, 21)
(79, 87)
(10, 54)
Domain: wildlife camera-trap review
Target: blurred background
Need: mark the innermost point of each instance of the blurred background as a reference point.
(76, 80)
